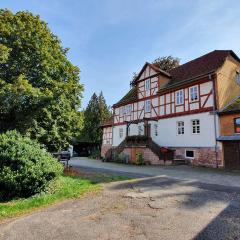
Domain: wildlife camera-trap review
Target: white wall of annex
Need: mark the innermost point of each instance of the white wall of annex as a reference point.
(167, 135)
(116, 139)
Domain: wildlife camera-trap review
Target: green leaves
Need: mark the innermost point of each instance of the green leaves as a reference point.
(25, 167)
(40, 93)
(167, 63)
(4, 53)
(96, 112)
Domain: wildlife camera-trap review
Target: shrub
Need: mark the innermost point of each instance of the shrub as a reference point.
(25, 167)
(95, 154)
(140, 159)
(121, 158)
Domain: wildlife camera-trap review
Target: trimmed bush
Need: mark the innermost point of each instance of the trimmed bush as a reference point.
(25, 167)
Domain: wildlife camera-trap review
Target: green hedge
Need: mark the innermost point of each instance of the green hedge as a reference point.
(25, 167)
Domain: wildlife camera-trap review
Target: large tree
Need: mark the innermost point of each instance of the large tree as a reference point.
(40, 93)
(167, 63)
(96, 112)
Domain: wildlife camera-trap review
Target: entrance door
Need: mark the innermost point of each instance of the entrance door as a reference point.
(232, 154)
(147, 130)
(133, 155)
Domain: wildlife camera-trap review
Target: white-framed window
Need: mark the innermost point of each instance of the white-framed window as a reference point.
(193, 93)
(129, 109)
(148, 105)
(180, 127)
(189, 154)
(156, 129)
(140, 130)
(120, 132)
(195, 126)
(147, 84)
(179, 97)
(121, 111)
(124, 110)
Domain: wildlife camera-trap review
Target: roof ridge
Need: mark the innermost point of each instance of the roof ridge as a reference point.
(198, 67)
(204, 55)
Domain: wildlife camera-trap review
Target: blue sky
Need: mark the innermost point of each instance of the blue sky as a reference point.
(111, 39)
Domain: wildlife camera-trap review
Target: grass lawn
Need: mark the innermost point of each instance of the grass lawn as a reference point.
(65, 187)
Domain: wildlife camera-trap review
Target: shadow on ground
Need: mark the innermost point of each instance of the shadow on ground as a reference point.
(225, 226)
(192, 195)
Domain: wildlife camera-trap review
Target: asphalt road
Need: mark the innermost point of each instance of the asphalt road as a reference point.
(149, 208)
(203, 175)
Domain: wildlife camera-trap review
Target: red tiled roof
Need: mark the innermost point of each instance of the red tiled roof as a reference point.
(106, 123)
(201, 66)
(154, 67)
(131, 96)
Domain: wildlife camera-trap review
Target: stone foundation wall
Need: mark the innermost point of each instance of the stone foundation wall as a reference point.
(148, 155)
(104, 149)
(205, 156)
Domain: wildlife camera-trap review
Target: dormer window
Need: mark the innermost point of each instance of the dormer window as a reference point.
(147, 84)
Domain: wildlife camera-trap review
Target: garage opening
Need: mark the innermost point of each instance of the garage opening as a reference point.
(232, 154)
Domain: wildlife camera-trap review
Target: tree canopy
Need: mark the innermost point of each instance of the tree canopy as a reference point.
(167, 63)
(40, 92)
(96, 112)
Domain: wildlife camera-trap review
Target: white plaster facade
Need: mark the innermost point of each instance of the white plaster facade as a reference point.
(168, 111)
(167, 135)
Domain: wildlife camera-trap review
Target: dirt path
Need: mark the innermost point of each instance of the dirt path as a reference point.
(149, 209)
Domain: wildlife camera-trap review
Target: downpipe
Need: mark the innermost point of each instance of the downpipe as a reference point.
(215, 119)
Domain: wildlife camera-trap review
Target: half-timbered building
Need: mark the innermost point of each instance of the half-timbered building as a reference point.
(176, 111)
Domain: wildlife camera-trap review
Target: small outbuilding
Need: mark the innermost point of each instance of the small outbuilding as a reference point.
(230, 134)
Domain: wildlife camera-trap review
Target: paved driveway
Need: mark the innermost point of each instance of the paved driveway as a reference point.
(203, 175)
(148, 209)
